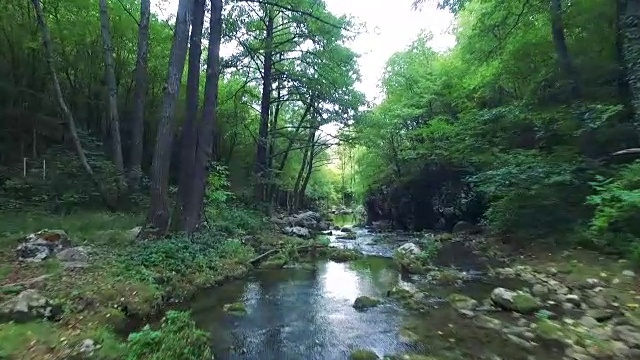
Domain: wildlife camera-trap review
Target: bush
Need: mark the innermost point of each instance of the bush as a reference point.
(616, 223)
(178, 339)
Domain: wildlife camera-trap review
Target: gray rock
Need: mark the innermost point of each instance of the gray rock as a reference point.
(539, 290)
(41, 245)
(465, 227)
(629, 335)
(588, 322)
(515, 301)
(74, 254)
(132, 234)
(410, 249)
(29, 305)
(628, 273)
(600, 315)
(297, 231)
(87, 346)
(572, 299)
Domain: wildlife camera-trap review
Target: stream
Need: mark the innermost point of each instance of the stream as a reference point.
(307, 313)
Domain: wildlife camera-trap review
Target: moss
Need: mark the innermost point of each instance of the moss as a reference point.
(525, 304)
(365, 302)
(236, 308)
(547, 329)
(344, 255)
(361, 354)
(17, 339)
(462, 302)
(399, 293)
(274, 262)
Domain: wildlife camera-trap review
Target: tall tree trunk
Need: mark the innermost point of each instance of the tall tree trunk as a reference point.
(307, 176)
(305, 158)
(139, 96)
(194, 207)
(190, 127)
(559, 40)
(158, 216)
(623, 85)
(260, 170)
(112, 88)
(66, 113)
(631, 27)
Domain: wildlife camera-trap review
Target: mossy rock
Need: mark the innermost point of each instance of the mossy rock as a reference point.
(236, 308)
(365, 302)
(525, 304)
(549, 330)
(344, 255)
(462, 302)
(399, 293)
(349, 236)
(274, 262)
(362, 354)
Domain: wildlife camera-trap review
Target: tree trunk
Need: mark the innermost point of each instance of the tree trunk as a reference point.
(307, 177)
(194, 207)
(265, 102)
(112, 88)
(305, 159)
(559, 40)
(189, 129)
(158, 216)
(139, 96)
(66, 113)
(631, 27)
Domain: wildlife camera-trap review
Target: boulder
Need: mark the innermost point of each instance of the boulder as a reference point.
(629, 335)
(463, 227)
(409, 249)
(307, 220)
(462, 302)
(519, 302)
(297, 231)
(78, 254)
(29, 305)
(365, 302)
(41, 245)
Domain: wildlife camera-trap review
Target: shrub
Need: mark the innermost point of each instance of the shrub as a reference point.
(177, 338)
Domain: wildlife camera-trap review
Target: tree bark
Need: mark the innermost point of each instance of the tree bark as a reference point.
(307, 157)
(190, 127)
(265, 102)
(158, 216)
(66, 113)
(631, 26)
(139, 96)
(562, 51)
(194, 207)
(112, 88)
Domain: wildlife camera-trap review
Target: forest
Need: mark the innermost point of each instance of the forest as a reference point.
(176, 152)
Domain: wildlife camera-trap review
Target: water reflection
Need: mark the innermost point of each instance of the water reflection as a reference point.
(298, 314)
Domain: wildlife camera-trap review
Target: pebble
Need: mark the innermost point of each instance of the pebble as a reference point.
(628, 273)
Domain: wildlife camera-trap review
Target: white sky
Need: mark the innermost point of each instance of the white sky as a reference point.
(389, 29)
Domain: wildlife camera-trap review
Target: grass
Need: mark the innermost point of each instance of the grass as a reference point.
(126, 278)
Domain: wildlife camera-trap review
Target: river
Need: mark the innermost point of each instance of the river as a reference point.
(307, 313)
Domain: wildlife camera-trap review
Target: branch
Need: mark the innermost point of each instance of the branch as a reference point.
(302, 12)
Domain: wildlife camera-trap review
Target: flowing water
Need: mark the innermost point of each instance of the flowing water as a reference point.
(307, 313)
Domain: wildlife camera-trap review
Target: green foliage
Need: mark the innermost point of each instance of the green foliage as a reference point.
(177, 338)
(616, 223)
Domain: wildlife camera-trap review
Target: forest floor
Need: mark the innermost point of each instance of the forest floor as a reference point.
(126, 281)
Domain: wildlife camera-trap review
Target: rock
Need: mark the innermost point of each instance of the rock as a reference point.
(346, 229)
(365, 302)
(29, 305)
(588, 322)
(462, 302)
(409, 249)
(539, 290)
(466, 313)
(297, 231)
(408, 336)
(349, 236)
(361, 354)
(552, 271)
(520, 342)
(628, 273)
(519, 302)
(41, 245)
(307, 220)
(597, 301)
(622, 351)
(132, 234)
(465, 227)
(344, 255)
(74, 254)
(236, 308)
(572, 299)
(600, 315)
(87, 346)
(629, 335)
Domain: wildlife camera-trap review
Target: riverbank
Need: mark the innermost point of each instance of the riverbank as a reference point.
(119, 281)
(531, 304)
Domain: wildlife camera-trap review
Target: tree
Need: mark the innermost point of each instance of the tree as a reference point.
(139, 92)
(159, 210)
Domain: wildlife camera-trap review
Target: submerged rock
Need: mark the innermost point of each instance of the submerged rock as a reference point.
(462, 302)
(344, 255)
(362, 354)
(236, 308)
(365, 302)
(519, 302)
(29, 305)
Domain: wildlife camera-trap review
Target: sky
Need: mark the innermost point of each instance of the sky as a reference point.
(389, 29)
